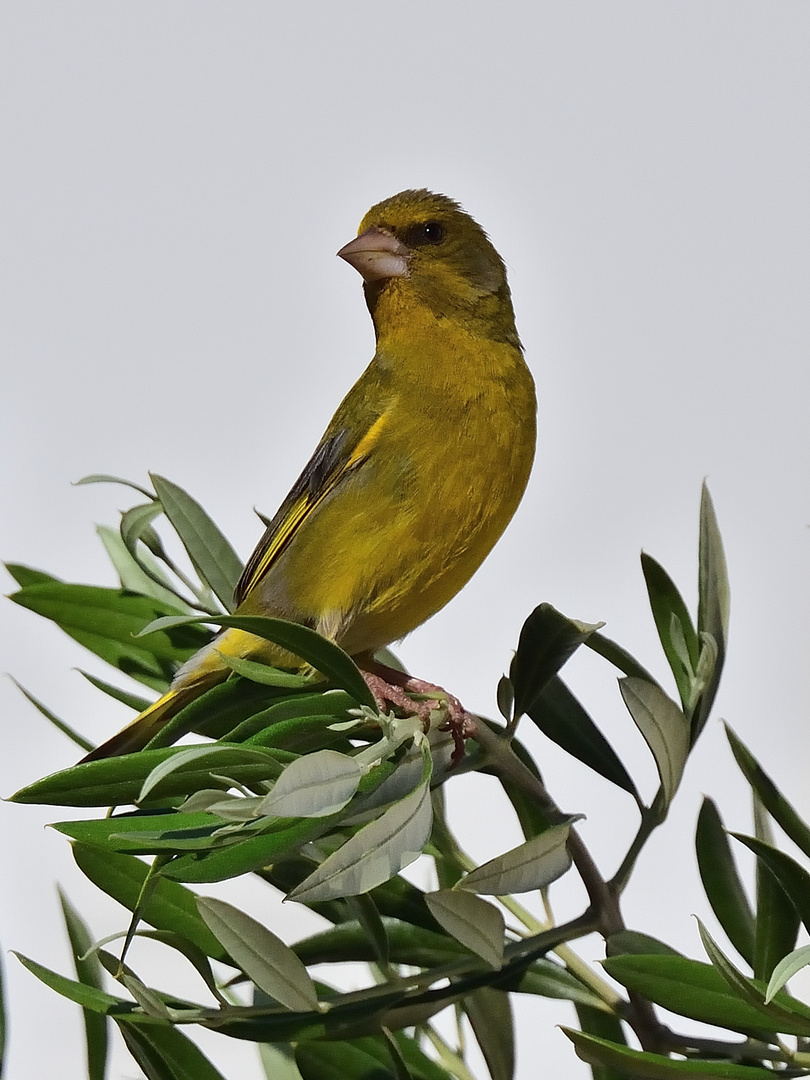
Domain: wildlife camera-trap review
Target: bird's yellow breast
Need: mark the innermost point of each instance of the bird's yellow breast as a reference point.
(448, 461)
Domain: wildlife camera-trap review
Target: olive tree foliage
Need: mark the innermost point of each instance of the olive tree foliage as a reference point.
(296, 778)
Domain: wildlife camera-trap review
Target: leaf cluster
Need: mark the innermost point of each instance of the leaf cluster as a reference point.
(297, 779)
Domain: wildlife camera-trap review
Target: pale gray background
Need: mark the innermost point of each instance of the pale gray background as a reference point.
(176, 180)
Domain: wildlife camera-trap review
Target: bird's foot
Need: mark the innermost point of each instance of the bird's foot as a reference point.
(394, 688)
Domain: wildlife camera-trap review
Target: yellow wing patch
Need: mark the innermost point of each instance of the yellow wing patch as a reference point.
(332, 461)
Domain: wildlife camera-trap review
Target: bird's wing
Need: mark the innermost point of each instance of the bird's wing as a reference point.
(342, 450)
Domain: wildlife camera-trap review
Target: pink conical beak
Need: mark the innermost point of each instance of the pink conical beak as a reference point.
(376, 255)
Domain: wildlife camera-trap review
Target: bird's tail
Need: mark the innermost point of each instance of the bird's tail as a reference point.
(139, 731)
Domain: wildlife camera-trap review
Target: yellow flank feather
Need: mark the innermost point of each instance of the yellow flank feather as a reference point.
(421, 467)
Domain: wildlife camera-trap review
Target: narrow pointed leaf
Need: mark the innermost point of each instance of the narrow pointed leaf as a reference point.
(618, 656)
(490, 1014)
(87, 996)
(713, 602)
(769, 794)
(777, 922)
(118, 781)
(629, 1063)
(165, 1053)
(375, 853)
(547, 640)
(722, 883)
(561, 717)
(264, 673)
(664, 727)
(28, 575)
(170, 906)
(314, 785)
(793, 878)
(475, 923)
(699, 991)
(106, 621)
(210, 552)
(532, 865)
(753, 991)
(217, 758)
(134, 701)
(787, 967)
(673, 622)
(105, 478)
(604, 1025)
(52, 718)
(89, 972)
(130, 571)
(263, 956)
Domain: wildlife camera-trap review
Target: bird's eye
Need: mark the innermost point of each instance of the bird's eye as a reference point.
(428, 232)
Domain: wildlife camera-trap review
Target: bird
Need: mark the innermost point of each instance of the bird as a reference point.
(417, 475)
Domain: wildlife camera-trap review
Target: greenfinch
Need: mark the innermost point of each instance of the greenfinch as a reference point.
(418, 473)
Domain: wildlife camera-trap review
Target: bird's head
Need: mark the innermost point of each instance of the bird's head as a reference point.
(423, 246)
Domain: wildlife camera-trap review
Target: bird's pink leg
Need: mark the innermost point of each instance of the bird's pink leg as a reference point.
(390, 687)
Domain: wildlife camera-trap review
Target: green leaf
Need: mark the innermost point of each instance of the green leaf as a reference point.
(105, 478)
(130, 570)
(314, 785)
(323, 655)
(218, 758)
(618, 656)
(261, 729)
(27, 575)
(646, 1066)
(546, 641)
(118, 781)
(211, 554)
(722, 883)
(531, 865)
(506, 698)
(633, 941)
(769, 794)
(375, 853)
(780, 1018)
(787, 967)
(86, 996)
(169, 907)
(339, 1061)
(690, 988)
(777, 920)
(264, 673)
(263, 957)
(244, 856)
(350, 942)
(713, 601)
(106, 622)
(664, 727)
(164, 1053)
(674, 625)
(88, 972)
(371, 922)
(604, 1025)
(278, 1061)
(134, 701)
(793, 878)
(562, 719)
(474, 922)
(490, 1014)
(60, 725)
(365, 1059)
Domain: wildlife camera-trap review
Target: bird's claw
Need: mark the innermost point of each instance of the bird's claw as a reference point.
(460, 723)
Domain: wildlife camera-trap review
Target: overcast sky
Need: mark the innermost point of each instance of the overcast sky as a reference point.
(176, 180)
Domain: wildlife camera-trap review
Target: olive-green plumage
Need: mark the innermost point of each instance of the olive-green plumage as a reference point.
(420, 469)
